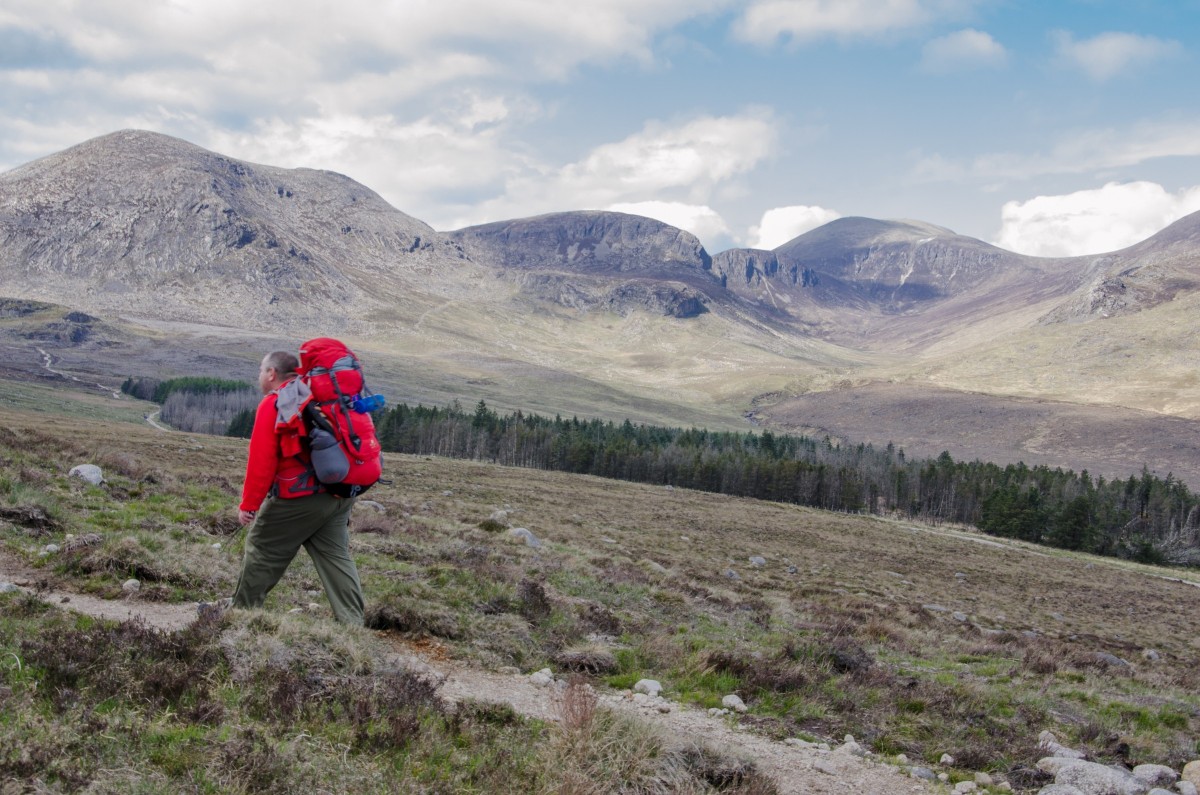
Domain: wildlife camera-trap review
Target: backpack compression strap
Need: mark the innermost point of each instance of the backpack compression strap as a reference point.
(341, 365)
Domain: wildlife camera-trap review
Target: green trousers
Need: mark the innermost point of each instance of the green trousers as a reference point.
(320, 524)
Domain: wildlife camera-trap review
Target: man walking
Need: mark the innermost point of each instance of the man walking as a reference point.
(285, 505)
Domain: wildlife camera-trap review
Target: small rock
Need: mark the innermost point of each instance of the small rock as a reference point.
(733, 575)
(791, 570)
(902, 759)
(733, 702)
(959, 617)
(850, 746)
(1093, 777)
(1151, 655)
(1186, 788)
(1191, 772)
(217, 545)
(983, 779)
(500, 516)
(651, 687)
(966, 786)
(935, 608)
(370, 505)
(946, 760)
(49, 549)
(524, 534)
(958, 575)
(89, 473)
(447, 493)
(1061, 789)
(1111, 659)
(8, 587)
(1156, 775)
(131, 586)
(922, 773)
(1160, 791)
(509, 670)
(663, 706)
(542, 678)
(758, 561)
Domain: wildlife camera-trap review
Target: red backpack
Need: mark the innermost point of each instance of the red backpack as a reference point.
(345, 450)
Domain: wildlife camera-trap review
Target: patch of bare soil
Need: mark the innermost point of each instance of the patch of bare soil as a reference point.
(924, 421)
(797, 770)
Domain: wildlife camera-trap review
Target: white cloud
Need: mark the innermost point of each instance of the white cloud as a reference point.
(765, 21)
(701, 220)
(1092, 221)
(409, 163)
(781, 224)
(683, 163)
(1109, 54)
(1077, 152)
(963, 49)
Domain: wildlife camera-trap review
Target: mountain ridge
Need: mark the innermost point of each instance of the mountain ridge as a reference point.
(621, 313)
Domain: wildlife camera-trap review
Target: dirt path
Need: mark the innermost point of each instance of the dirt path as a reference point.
(797, 769)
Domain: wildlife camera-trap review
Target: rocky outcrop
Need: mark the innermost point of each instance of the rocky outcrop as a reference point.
(599, 260)
(144, 223)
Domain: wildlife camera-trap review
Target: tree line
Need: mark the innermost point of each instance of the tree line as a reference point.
(1143, 517)
(197, 404)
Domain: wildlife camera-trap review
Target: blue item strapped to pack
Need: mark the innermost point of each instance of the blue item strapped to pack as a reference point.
(365, 404)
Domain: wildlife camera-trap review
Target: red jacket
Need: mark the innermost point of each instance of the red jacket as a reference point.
(277, 460)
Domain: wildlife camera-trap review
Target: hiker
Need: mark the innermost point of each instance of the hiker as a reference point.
(286, 507)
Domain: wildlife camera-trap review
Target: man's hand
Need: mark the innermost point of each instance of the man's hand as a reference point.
(246, 517)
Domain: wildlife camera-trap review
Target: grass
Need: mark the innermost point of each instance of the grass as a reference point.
(833, 636)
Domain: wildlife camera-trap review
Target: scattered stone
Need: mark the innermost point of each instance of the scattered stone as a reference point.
(958, 575)
(1111, 660)
(217, 545)
(717, 712)
(922, 773)
(733, 575)
(525, 535)
(1155, 775)
(1160, 791)
(983, 779)
(89, 473)
(902, 759)
(946, 760)
(966, 786)
(850, 746)
(1061, 789)
(371, 505)
(1191, 772)
(1096, 779)
(791, 570)
(542, 678)
(959, 617)
(1049, 743)
(1186, 788)
(8, 587)
(499, 516)
(757, 561)
(131, 586)
(49, 549)
(447, 493)
(733, 702)
(935, 608)
(1151, 655)
(509, 670)
(653, 566)
(651, 687)
(821, 766)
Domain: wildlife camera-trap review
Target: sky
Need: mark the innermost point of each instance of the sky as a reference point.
(1048, 127)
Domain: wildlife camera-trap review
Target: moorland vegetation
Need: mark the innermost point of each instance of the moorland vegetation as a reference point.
(918, 639)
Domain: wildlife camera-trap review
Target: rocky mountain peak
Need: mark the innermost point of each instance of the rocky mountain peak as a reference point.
(134, 214)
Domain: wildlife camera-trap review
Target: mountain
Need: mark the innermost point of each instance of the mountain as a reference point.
(855, 279)
(181, 260)
(143, 223)
(589, 260)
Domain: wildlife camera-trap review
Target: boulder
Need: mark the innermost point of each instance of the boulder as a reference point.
(89, 473)
(1096, 779)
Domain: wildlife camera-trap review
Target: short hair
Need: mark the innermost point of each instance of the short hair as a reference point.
(281, 362)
